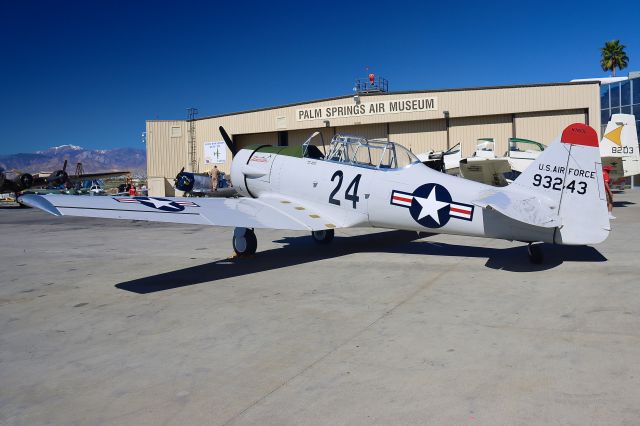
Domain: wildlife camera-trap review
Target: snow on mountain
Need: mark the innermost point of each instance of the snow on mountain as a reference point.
(61, 148)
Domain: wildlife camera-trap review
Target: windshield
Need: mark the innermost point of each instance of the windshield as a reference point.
(525, 145)
(378, 154)
(485, 144)
(453, 150)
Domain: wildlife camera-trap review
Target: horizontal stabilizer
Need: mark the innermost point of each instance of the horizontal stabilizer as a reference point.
(526, 208)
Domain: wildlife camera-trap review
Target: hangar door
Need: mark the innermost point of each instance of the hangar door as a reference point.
(467, 130)
(298, 137)
(369, 131)
(545, 126)
(242, 141)
(420, 136)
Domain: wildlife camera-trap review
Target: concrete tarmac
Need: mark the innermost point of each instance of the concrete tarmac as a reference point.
(132, 323)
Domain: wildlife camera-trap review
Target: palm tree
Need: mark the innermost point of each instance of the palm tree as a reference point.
(613, 56)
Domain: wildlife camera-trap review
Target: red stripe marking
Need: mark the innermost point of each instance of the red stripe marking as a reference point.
(399, 198)
(453, 209)
(580, 134)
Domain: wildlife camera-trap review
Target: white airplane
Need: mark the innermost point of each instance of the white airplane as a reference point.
(619, 146)
(444, 161)
(560, 199)
(486, 167)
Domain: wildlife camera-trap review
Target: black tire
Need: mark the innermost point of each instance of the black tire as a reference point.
(323, 237)
(535, 253)
(245, 242)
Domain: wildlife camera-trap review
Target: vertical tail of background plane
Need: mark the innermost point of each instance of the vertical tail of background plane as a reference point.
(569, 173)
(619, 146)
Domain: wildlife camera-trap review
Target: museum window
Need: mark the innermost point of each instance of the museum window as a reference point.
(635, 90)
(604, 96)
(615, 95)
(625, 93)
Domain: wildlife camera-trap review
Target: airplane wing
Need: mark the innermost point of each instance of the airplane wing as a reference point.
(87, 176)
(531, 209)
(267, 212)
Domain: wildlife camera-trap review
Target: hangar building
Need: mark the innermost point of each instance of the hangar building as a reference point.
(420, 120)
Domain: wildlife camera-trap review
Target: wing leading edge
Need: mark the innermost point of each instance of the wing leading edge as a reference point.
(270, 212)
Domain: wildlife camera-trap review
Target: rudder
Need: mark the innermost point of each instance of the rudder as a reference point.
(569, 172)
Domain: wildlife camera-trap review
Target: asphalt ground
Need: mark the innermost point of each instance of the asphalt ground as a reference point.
(120, 322)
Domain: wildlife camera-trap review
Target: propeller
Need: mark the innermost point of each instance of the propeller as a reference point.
(230, 144)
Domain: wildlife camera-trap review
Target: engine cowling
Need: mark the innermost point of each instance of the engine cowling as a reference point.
(251, 170)
(188, 182)
(26, 180)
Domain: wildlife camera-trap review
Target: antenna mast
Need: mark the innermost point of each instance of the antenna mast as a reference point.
(193, 157)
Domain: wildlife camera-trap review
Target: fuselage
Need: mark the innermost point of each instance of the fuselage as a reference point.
(375, 197)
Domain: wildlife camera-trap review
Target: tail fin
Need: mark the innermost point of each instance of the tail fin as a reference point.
(619, 146)
(569, 172)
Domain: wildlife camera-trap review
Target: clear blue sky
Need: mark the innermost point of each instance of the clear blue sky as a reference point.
(90, 73)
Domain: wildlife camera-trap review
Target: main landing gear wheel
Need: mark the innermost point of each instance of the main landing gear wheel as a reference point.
(535, 253)
(323, 237)
(245, 242)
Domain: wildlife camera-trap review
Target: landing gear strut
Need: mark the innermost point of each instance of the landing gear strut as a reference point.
(535, 253)
(245, 242)
(323, 237)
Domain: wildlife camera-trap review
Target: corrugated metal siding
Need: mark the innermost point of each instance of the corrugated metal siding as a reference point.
(420, 136)
(459, 104)
(166, 155)
(546, 126)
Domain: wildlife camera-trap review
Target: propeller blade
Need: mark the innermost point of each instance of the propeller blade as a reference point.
(64, 167)
(232, 146)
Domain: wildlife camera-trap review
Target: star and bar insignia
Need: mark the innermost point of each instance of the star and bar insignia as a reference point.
(431, 205)
(162, 204)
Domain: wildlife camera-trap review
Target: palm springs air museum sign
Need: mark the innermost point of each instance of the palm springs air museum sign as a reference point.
(367, 108)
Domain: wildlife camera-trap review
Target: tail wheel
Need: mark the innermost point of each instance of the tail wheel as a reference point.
(323, 237)
(245, 242)
(535, 253)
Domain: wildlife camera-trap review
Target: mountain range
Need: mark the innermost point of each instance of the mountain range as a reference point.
(93, 160)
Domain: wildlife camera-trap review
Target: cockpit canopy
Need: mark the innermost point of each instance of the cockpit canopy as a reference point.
(375, 153)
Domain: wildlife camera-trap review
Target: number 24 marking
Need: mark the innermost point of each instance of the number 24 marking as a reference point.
(347, 196)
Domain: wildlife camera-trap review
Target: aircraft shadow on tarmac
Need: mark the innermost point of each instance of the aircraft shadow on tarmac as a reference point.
(622, 203)
(301, 250)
